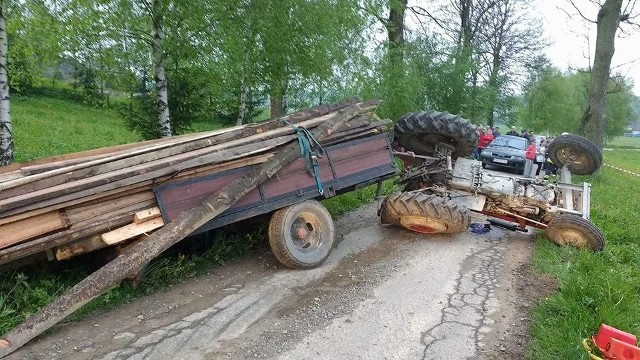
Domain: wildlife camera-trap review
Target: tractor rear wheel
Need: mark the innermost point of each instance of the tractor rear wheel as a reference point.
(301, 235)
(572, 230)
(581, 155)
(421, 132)
(427, 214)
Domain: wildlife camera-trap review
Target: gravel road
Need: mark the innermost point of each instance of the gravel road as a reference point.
(384, 293)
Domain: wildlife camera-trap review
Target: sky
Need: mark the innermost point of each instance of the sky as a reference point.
(573, 39)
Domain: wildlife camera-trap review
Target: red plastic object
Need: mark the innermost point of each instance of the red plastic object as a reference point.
(616, 344)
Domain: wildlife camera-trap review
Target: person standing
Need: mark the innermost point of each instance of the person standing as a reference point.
(524, 134)
(541, 155)
(513, 131)
(476, 152)
(484, 140)
(496, 132)
(530, 155)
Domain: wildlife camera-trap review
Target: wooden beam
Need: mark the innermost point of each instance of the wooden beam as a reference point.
(131, 231)
(19, 231)
(145, 215)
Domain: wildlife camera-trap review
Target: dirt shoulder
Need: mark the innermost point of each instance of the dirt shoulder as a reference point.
(520, 289)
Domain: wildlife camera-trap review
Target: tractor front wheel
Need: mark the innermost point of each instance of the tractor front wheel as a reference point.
(572, 230)
(580, 155)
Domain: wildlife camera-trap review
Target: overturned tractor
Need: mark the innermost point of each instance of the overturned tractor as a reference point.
(441, 187)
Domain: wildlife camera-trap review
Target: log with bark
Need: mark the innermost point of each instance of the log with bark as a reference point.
(139, 254)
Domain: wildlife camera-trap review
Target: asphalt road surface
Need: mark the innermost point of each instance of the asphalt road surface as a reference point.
(384, 293)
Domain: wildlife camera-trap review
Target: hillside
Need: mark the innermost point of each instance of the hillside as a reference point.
(45, 127)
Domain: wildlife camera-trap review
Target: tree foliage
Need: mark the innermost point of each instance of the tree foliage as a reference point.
(554, 102)
(226, 61)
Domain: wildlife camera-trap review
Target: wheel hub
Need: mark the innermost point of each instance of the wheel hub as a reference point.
(304, 235)
(423, 224)
(301, 233)
(571, 237)
(572, 156)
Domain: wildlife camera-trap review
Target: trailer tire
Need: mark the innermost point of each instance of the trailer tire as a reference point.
(581, 155)
(572, 230)
(420, 132)
(301, 236)
(427, 214)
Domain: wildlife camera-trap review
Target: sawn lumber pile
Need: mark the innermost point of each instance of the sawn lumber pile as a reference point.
(76, 203)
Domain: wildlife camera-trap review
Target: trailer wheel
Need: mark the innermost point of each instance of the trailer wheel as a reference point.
(421, 132)
(581, 155)
(301, 235)
(572, 230)
(427, 214)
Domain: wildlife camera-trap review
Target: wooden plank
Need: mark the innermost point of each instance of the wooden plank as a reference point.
(45, 164)
(147, 214)
(131, 230)
(105, 182)
(60, 175)
(132, 189)
(43, 243)
(19, 231)
(89, 199)
(92, 211)
(11, 175)
(86, 228)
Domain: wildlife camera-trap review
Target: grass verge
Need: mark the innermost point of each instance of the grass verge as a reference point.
(622, 142)
(594, 288)
(44, 127)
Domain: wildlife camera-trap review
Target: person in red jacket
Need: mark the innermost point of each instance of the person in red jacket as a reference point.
(530, 155)
(485, 137)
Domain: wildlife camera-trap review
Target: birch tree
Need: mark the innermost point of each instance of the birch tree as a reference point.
(156, 9)
(6, 132)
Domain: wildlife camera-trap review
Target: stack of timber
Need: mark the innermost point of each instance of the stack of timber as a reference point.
(76, 203)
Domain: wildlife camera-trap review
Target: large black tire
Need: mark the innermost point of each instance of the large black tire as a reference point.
(580, 155)
(572, 230)
(301, 235)
(420, 132)
(427, 214)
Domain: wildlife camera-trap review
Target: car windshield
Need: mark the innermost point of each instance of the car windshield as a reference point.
(514, 143)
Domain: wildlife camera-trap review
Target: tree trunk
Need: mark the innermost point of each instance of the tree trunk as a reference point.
(278, 98)
(130, 262)
(395, 26)
(593, 120)
(162, 101)
(244, 94)
(464, 38)
(493, 88)
(6, 133)
(395, 74)
(244, 88)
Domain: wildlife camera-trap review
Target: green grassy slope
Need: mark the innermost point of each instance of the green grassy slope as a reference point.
(44, 127)
(595, 288)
